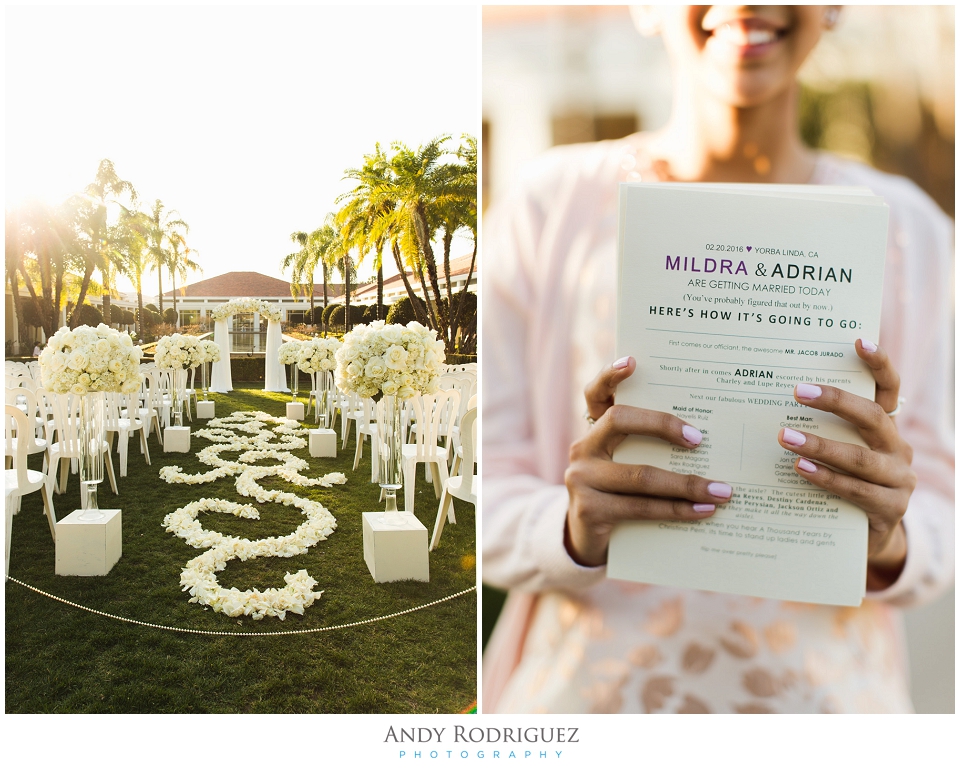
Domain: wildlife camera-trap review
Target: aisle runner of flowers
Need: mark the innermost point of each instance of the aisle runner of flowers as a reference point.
(247, 432)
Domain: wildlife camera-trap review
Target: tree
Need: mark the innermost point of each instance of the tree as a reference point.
(163, 225)
(179, 263)
(99, 238)
(44, 246)
(136, 226)
(364, 207)
(410, 200)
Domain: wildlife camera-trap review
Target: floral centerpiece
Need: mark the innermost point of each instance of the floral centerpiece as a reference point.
(381, 359)
(317, 356)
(89, 362)
(390, 363)
(209, 353)
(266, 310)
(178, 352)
(289, 354)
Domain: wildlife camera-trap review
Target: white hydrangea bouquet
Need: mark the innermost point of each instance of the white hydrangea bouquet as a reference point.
(88, 360)
(209, 353)
(380, 359)
(288, 352)
(318, 355)
(178, 351)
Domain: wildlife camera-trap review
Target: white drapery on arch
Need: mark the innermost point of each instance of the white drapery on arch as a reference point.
(275, 377)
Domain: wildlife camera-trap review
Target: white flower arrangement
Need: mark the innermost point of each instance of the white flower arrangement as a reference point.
(390, 360)
(318, 355)
(89, 360)
(266, 310)
(178, 351)
(288, 352)
(247, 433)
(209, 351)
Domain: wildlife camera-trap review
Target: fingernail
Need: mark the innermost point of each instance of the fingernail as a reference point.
(807, 466)
(868, 346)
(793, 437)
(808, 391)
(721, 490)
(622, 362)
(692, 434)
(704, 508)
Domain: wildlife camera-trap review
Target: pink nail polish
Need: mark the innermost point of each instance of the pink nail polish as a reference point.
(808, 391)
(721, 490)
(807, 466)
(704, 508)
(868, 346)
(622, 362)
(692, 434)
(793, 437)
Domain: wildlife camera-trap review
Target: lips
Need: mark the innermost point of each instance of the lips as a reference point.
(747, 37)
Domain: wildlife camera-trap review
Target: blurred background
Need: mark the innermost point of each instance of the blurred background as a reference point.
(878, 88)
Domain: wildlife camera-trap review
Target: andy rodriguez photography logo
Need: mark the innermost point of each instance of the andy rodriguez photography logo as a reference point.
(537, 743)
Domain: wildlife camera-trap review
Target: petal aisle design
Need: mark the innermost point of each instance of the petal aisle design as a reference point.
(247, 432)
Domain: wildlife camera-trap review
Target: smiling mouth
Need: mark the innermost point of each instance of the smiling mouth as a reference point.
(739, 35)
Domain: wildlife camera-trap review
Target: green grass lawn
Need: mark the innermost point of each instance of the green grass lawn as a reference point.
(64, 660)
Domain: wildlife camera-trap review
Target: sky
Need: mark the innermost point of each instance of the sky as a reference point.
(242, 119)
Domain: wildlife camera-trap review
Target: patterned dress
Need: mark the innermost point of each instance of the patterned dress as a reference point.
(571, 641)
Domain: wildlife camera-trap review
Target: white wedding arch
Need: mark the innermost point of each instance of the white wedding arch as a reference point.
(275, 376)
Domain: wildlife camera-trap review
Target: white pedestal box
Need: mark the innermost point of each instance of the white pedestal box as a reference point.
(176, 439)
(206, 409)
(395, 553)
(87, 548)
(295, 411)
(323, 442)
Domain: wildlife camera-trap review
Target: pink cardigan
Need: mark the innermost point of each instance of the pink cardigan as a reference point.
(548, 327)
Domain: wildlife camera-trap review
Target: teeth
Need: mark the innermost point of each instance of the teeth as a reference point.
(735, 34)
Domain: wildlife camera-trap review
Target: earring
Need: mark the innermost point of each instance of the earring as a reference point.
(830, 16)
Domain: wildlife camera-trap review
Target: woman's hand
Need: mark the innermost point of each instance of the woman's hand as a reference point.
(877, 478)
(604, 493)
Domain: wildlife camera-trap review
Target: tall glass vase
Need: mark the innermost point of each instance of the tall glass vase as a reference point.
(203, 373)
(322, 409)
(390, 438)
(91, 432)
(179, 384)
(294, 382)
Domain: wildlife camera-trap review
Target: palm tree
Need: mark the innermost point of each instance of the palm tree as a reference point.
(136, 225)
(365, 208)
(179, 263)
(100, 238)
(47, 246)
(302, 266)
(335, 253)
(164, 225)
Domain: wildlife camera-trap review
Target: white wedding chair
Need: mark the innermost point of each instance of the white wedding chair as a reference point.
(366, 426)
(457, 446)
(26, 402)
(21, 480)
(123, 418)
(65, 425)
(350, 409)
(462, 486)
(152, 400)
(431, 413)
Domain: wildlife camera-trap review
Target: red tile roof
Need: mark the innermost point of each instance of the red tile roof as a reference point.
(250, 284)
(458, 268)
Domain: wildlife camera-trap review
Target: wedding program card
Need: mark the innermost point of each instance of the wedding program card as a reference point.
(729, 296)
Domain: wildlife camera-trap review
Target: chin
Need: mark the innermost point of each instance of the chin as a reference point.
(745, 89)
